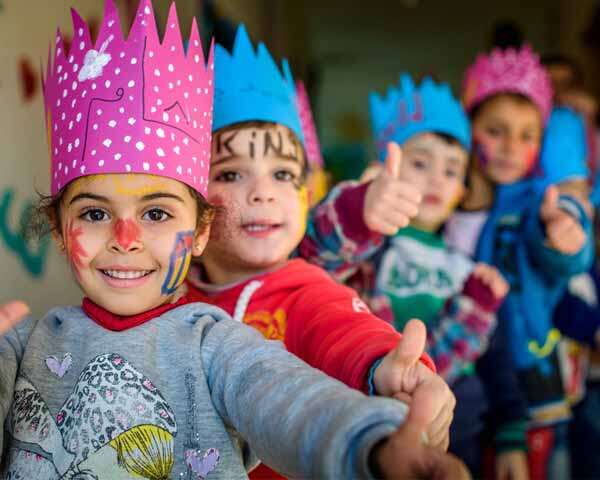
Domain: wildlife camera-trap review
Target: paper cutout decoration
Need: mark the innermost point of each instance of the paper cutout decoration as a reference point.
(129, 105)
(508, 71)
(250, 86)
(408, 110)
(311, 138)
(564, 149)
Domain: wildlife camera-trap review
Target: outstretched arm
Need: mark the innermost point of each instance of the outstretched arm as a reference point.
(328, 430)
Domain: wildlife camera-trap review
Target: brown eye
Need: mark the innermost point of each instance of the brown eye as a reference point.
(228, 176)
(284, 176)
(94, 215)
(156, 215)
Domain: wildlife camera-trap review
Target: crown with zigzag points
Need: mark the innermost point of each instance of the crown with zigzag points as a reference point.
(249, 86)
(564, 149)
(508, 71)
(408, 110)
(132, 105)
(311, 138)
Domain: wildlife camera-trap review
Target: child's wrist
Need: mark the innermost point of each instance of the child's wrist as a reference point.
(481, 294)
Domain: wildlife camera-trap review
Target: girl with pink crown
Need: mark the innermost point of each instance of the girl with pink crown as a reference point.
(138, 381)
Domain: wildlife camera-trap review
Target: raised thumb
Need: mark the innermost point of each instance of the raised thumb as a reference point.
(412, 344)
(393, 160)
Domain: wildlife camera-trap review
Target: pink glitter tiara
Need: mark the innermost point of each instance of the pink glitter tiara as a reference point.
(129, 105)
(311, 139)
(508, 71)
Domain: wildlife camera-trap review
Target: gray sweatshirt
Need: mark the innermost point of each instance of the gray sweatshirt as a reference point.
(173, 398)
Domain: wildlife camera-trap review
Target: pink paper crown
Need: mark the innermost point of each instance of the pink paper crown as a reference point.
(508, 71)
(129, 106)
(311, 139)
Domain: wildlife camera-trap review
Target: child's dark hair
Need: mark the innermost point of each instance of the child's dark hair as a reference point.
(45, 216)
(264, 124)
(449, 139)
(516, 97)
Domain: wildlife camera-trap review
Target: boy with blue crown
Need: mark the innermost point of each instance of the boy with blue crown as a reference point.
(258, 184)
(382, 236)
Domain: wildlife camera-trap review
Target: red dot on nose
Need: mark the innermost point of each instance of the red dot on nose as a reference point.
(126, 232)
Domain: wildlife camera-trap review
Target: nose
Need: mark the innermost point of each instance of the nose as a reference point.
(511, 144)
(126, 237)
(261, 191)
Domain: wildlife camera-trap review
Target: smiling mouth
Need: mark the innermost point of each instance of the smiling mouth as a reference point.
(126, 274)
(260, 227)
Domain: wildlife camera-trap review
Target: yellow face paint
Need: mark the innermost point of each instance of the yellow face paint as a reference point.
(120, 183)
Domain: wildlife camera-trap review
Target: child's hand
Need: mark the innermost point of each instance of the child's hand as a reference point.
(390, 203)
(404, 455)
(11, 314)
(512, 466)
(403, 376)
(492, 279)
(563, 232)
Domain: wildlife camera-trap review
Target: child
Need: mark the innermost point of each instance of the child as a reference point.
(258, 182)
(536, 240)
(140, 382)
(410, 269)
(564, 162)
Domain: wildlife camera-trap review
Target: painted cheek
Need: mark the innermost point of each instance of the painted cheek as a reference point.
(531, 158)
(74, 249)
(179, 262)
(482, 149)
(304, 204)
(126, 232)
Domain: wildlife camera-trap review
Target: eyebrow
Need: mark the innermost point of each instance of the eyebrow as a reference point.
(423, 150)
(157, 195)
(145, 198)
(214, 163)
(88, 196)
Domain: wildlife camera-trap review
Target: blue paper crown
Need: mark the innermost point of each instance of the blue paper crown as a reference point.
(564, 149)
(409, 110)
(249, 86)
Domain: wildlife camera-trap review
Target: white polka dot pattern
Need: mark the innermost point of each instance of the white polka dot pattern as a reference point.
(129, 106)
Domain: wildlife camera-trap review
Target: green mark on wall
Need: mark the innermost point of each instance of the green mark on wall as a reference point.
(33, 255)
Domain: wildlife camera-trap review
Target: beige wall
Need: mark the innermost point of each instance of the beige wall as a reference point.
(26, 28)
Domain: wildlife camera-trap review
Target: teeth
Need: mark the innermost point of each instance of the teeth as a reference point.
(256, 228)
(126, 275)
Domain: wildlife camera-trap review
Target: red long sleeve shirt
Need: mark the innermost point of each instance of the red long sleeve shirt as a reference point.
(320, 321)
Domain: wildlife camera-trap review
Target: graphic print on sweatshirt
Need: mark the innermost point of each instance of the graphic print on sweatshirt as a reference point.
(418, 278)
(115, 424)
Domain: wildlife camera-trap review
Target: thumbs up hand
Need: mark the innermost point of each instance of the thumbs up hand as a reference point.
(403, 376)
(563, 232)
(390, 203)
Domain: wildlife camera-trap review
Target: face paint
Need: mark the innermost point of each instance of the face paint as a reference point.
(122, 187)
(480, 149)
(257, 143)
(179, 263)
(74, 249)
(304, 204)
(126, 232)
(531, 158)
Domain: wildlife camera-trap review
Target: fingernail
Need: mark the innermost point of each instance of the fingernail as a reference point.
(424, 438)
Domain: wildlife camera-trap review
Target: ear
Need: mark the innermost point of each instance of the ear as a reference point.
(57, 234)
(200, 241)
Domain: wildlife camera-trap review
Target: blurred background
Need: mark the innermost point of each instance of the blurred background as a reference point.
(341, 49)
